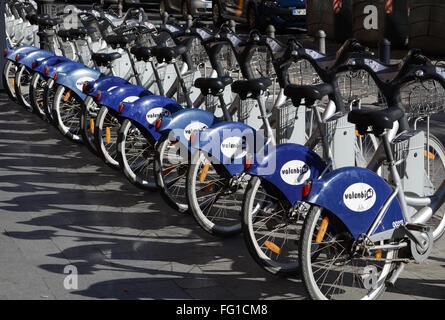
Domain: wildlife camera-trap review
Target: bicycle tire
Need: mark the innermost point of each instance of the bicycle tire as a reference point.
(67, 108)
(334, 229)
(268, 253)
(142, 174)
(222, 217)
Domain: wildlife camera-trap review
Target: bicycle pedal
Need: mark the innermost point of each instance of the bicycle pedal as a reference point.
(417, 227)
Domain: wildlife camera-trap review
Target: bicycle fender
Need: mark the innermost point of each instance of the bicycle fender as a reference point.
(147, 110)
(12, 53)
(228, 143)
(183, 123)
(66, 66)
(36, 55)
(115, 95)
(75, 78)
(49, 62)
(287, 167)
(355, 196)
(104, 83)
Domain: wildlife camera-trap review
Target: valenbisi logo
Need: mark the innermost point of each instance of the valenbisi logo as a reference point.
(81, 81)
(295, 172)
(233, 147)
(193, 127)
(156, 113)
(359, 197)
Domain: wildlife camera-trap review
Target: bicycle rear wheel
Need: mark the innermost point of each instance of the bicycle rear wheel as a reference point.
(136, 156)
(271, 234)
(9, 72)
(106, 131)
(435, 175)
(214, 196)
(36, 92)
(22, 87)
(67, 110)
(170, 171)
(332, 266)
(88, 118)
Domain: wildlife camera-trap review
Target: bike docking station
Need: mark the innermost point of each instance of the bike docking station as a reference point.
(409, 150)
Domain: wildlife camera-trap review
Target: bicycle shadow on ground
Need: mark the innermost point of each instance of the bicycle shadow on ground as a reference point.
(119, 237)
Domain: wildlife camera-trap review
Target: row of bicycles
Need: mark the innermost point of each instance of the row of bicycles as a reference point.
(324, 162)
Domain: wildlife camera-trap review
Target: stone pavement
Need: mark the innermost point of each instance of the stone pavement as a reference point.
(60, 205)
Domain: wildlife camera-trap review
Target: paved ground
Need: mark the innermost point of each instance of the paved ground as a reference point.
(60, 206)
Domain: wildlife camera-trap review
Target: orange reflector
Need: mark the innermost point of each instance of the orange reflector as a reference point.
(158, 124)
(431, 156)
(168, 170)
(378, 254)
(248, 161)
(13, 82)
(322, 230)
(67, 95)
(40, 103)
(273, 247)
(204, 171)
(92, 125)
(108, 134)
(208, 187)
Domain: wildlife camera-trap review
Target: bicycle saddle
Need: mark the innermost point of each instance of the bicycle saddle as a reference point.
(103, 59)
(314, 92)
(75, 33)
(121, 40)
(253, 86)
(48, 22)
(379, 120)
(141, 53)
(33, 18)
(168, 53)
(212, 85)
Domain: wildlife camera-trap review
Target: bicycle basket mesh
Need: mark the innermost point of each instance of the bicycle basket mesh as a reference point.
(245, 109)
(359, 85)
(211, 103)
(188, 81)
(261, 64)
(198, 53)
(286, 116)
(422, 99)
(302, 73)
